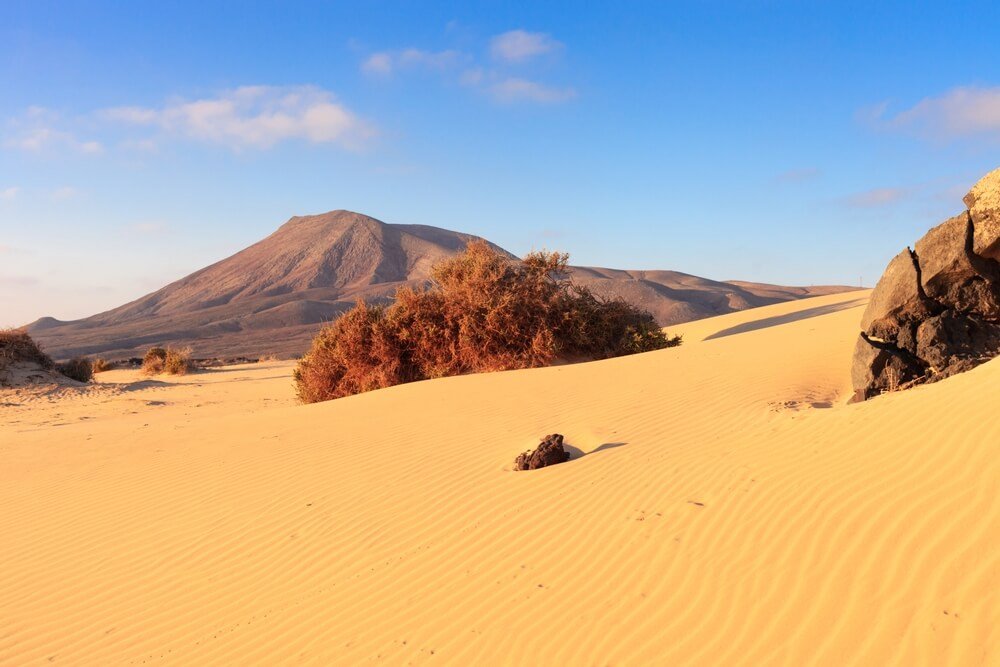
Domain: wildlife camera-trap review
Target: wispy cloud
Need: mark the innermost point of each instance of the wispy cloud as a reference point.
(65, 192)
(384, 63)
(963, 112)
(515, 89)
(493, 75)
(9, 193)
(40, 129)
(798, 175)
(254, 117)
(877, 198)
(146, 228)
(518, 46)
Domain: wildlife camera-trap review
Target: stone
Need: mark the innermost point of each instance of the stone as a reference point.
(549, 452)
(983, 201)
(936, 309)
(952, 274)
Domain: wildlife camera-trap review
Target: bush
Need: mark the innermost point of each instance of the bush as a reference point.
(16, 345)
(101, 365)
(170, 360)
(484, 312)
(78, 368)
(152, 361)
(178, 361)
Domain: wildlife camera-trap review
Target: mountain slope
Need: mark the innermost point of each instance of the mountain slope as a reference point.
(271, 296)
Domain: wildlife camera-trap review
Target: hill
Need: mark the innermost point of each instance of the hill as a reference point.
(270, 297)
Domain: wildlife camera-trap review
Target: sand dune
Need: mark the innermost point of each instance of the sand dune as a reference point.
(725, 507)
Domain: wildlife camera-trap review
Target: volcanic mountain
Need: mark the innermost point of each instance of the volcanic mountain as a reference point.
(271, 297)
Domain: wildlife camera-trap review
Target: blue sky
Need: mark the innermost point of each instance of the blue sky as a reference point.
(795, 143)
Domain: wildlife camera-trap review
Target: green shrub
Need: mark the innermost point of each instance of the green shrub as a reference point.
(484, 312)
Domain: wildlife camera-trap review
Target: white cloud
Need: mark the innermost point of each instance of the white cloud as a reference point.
(472, 76)
(877, 197)
(384, 63)
(65, 192)
(378, 63)
(513, 89)
(799, 175)
(146, 228)
(9, 193)
(518, 46)
(38, 139)
(959, 113)
(254, 117)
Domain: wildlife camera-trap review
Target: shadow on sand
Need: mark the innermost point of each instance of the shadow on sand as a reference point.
(576, 453)
(785, 319)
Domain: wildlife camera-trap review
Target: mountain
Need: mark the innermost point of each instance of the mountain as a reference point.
(271, 297)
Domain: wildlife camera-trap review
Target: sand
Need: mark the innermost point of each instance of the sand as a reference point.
(724, 507)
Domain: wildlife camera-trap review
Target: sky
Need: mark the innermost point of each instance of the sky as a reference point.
(787, 142)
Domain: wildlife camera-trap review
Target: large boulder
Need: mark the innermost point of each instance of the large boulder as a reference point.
(984, 208)
(936, 309)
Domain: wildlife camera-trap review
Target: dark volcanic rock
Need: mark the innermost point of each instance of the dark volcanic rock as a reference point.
(549, 452)
(936, 310)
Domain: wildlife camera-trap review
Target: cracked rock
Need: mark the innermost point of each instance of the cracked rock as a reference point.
(936, 309)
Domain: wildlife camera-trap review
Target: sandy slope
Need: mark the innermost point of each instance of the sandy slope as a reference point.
(721, 513)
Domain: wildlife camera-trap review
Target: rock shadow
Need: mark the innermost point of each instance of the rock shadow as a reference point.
(786, 319)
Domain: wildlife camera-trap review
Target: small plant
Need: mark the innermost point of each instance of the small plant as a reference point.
(892, 379)
(77, 368)
(17, 346)
(152, 361)
(101, 365)
(170, 360)
(178, 361)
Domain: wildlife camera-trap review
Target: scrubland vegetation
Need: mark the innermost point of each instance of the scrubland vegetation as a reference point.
(77, 368)
(483, 312)
(169, 360)
(17, 346)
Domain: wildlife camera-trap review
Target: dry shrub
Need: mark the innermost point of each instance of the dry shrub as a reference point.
(101, 365)
(484, 312)
(152, 361)
(170, 360)
(17, 346)
(178, 361)
(77, 368)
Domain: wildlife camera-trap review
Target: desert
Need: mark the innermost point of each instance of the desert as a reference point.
(747, 516)
(474, 334)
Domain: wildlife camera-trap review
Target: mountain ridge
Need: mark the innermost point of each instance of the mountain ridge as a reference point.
(271, 297)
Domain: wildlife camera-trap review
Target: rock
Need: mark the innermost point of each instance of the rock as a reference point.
(952, 274)
(936, 310)
(549, 452)
(983, 201)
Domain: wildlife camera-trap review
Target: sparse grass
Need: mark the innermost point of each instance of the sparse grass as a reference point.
(484, 313)
(892, 379)
(77, 368)
(169, 360)
(101, 365)
(17, 346)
